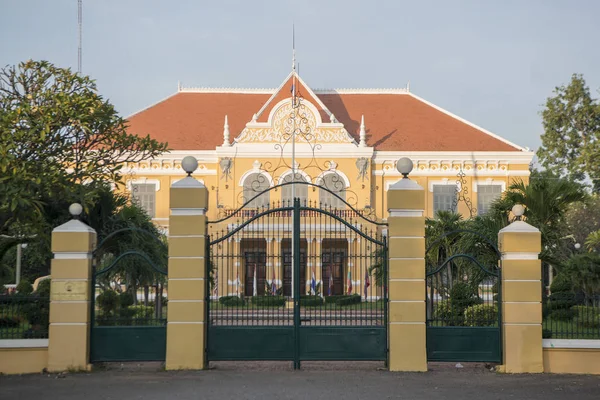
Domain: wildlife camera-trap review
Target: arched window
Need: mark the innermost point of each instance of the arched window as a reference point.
(336, 184)
(254, 184)
(301, 190)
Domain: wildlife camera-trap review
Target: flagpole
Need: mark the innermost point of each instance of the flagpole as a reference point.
(293, 151)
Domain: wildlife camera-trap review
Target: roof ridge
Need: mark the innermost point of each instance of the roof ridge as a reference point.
(206, 89)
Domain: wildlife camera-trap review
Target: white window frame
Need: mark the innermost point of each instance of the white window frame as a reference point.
(488, 182)
(269, 181)
(322, 177)
(145, 181)
(444, 182)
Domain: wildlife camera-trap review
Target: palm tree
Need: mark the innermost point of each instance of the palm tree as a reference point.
(547, 199)
(593, 241)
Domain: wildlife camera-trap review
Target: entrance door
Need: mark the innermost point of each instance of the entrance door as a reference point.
(255, 263)
(333, 272)
(287, 268)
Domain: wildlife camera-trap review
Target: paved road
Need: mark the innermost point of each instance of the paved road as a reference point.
(314, 382)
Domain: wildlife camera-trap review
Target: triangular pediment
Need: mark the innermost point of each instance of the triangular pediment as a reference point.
(284, 91)
(304, 114)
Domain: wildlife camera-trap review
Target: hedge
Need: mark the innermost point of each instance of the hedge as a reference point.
(231, 301)
(311, 301)
(352, 299)
(481, 315)
(268, 301)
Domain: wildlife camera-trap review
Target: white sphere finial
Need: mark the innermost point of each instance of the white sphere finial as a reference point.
(518, 210)
(189, 164)
(75, 210)
(404, 166)
(577, 246)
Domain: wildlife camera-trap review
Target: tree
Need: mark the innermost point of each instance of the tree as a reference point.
(57, 133)
(583, 219)
(571, 138)
(546, 198)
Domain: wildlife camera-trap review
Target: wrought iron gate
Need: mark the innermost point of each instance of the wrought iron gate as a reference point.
(129, 300)
(463, 299)
(334, 307)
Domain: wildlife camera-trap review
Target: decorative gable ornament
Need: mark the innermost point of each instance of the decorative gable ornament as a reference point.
(305, 120)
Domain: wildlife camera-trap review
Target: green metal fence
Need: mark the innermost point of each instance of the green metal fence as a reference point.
(571, 316)
(24, 316)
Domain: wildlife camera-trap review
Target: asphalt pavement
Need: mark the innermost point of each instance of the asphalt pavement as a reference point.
(315, 381)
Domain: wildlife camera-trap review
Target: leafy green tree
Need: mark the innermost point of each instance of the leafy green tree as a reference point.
(56, 133)
(571, 138)
(583, 219)
(547, 199)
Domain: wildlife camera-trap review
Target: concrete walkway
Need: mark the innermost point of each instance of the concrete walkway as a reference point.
(316, 381)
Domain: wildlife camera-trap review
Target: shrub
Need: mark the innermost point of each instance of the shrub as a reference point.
(561, 301)
(561, 284)
(334, 298)
(546, 334)
(268, 301)
(43, 289)
(481, 315)
(142, 312)
(9, 321)
(125, 299)
(231, 301)
(352, 299)
(108, 301)
(311, 301)
(587, 316)
(562, 314)
(24, 287)
(463, 296)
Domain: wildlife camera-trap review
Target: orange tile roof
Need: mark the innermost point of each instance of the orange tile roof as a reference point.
(394, 122)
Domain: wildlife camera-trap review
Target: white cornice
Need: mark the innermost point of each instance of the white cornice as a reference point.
(509, 157)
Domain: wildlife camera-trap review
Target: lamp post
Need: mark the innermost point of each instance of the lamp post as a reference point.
(20, 248)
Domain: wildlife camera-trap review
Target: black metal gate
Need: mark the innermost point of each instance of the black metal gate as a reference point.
(463, 299)
(334, 307)
(129, 299)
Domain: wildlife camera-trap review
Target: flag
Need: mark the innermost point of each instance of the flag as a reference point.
(254, 283)
(216, 283)
(273, 284)
(349, 281)
(367, 282)
(330, 281)
(313, 283)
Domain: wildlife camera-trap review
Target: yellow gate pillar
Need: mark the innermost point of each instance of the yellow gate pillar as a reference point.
(406, 224)
(186, 319)
(70, 295)
(520, 245)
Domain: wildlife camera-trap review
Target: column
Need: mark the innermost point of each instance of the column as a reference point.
(70, 295)
(186, 329)
(406, 250)
(520, 245)
(277, 262)
(351, 268)
(316, 261)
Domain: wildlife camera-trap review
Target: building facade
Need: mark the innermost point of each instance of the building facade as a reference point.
(341, 143)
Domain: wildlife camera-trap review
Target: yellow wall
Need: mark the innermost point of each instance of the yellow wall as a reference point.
(226, 193)
(23, 360)
(572, 361)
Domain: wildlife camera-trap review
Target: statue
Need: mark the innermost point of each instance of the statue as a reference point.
(226, 164)
(362, 164)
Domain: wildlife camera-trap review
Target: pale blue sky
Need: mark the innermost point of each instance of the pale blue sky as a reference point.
(491, 62)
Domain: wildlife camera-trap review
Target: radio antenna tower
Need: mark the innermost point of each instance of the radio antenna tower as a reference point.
(79, 23)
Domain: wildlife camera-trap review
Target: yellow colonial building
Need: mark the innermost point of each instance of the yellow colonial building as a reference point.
(343, 142)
